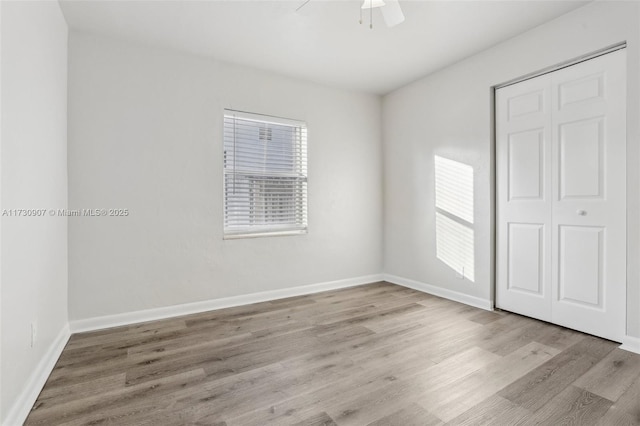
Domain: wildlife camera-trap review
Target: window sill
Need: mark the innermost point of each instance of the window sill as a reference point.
(264, 234)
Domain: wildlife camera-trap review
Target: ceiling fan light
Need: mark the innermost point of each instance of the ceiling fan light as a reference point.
(366, 4)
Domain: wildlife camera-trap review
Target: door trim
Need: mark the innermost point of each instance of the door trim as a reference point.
(560, 66)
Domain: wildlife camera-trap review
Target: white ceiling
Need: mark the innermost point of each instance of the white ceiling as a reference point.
(323, 42)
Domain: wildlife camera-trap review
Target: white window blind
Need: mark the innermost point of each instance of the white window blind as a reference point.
(265, 175)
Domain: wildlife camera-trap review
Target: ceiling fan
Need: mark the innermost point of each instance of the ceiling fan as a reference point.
(390, 9)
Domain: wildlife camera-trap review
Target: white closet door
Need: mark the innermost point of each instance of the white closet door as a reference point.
(523, 178)
(561, 216)
(589, 212)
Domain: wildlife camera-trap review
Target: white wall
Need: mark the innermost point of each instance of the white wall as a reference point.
(33, 176)
(449, 113)
(145, 133)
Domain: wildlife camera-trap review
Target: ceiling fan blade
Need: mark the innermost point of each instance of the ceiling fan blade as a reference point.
(302, 5)
(392, 13)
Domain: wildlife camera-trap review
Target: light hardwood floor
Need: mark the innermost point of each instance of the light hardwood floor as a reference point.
(378, 354)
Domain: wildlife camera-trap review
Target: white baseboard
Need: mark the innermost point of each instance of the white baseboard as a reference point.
(440, 292)
(20, 410)
(631, 344)
(128, 318)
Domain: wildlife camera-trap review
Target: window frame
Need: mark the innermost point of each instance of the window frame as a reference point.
(299, 201)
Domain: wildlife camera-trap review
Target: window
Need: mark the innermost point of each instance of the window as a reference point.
(265, 175)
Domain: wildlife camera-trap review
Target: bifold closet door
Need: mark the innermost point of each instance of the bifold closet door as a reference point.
(561, 197)
(523, 179)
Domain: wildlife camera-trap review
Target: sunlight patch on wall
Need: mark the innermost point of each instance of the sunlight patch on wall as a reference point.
(454, 245)
(454, 188)
(454, 216)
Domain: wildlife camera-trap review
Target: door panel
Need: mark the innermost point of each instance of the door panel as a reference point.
(589, 208)
(581, 89)
(524, 194)
(581, 159)
(526, 153)
(581, 256)
(561, 197)
(526, 104)
(526, 261)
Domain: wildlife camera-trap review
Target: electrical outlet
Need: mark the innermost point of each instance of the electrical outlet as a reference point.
(34, 331)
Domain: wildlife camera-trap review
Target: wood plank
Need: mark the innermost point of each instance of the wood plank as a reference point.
(55, 395)
(573, 406)
(412, 415)
(626, 410)
(558, 337)
(534, 390)
(486, 317)
(120, 403)
(493, 410)
(612, 375)
(502, 338)
(368, 405)
(321, 419)
(480, 385)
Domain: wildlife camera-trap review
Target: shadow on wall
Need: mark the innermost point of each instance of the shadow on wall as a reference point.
(454, 216)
